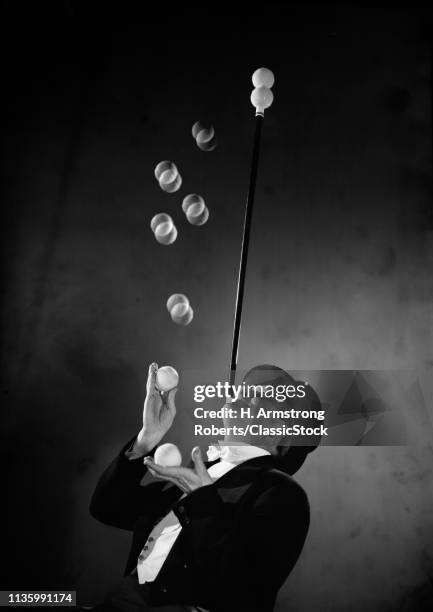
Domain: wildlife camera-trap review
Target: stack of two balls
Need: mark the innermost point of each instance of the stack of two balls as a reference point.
(167, 455)
(168, 177)
(164, 229)
(180, 309)
(204, 136)
(262, 96)
(195, 209)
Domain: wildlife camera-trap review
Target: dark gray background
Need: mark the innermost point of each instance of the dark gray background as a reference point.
(339, 275)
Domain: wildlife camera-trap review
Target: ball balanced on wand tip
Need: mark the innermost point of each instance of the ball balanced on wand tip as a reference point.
(261, 98)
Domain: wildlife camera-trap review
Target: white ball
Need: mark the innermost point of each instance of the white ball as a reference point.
(205, 135)
(166, 233)
(195, 209)
(176, 298)
(196, 128)
(166, 378)
(168, 455)
(168, 176)
(262, 97)
(163, 229)
(160, 218)
(172, 186)
(263, 77)
(163, 167)
(192, 198)
(182, 314)
(210, 145)
(197, 216)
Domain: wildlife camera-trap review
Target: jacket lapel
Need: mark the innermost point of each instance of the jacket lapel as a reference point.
(235, 483)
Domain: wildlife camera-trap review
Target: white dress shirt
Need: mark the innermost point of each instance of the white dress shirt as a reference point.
(165, 533)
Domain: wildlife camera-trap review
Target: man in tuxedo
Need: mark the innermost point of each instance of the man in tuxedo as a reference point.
(221, 535)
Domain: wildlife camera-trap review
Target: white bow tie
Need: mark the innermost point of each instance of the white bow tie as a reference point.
(217, 451)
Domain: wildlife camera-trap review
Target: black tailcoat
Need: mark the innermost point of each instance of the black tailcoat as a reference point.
(240, 537)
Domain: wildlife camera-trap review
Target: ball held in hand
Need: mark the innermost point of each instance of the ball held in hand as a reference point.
(168, 455)
(166, 378)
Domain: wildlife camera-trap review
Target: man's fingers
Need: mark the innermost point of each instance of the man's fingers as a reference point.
(170, 401)
(161, 473)
(174, 481)
(156, 473)
(200, 467)
(151, 377)
(172, 472)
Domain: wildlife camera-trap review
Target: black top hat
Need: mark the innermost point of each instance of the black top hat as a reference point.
(290, 456)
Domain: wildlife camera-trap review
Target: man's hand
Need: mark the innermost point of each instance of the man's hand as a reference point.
(186, 479)
(158, 414)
